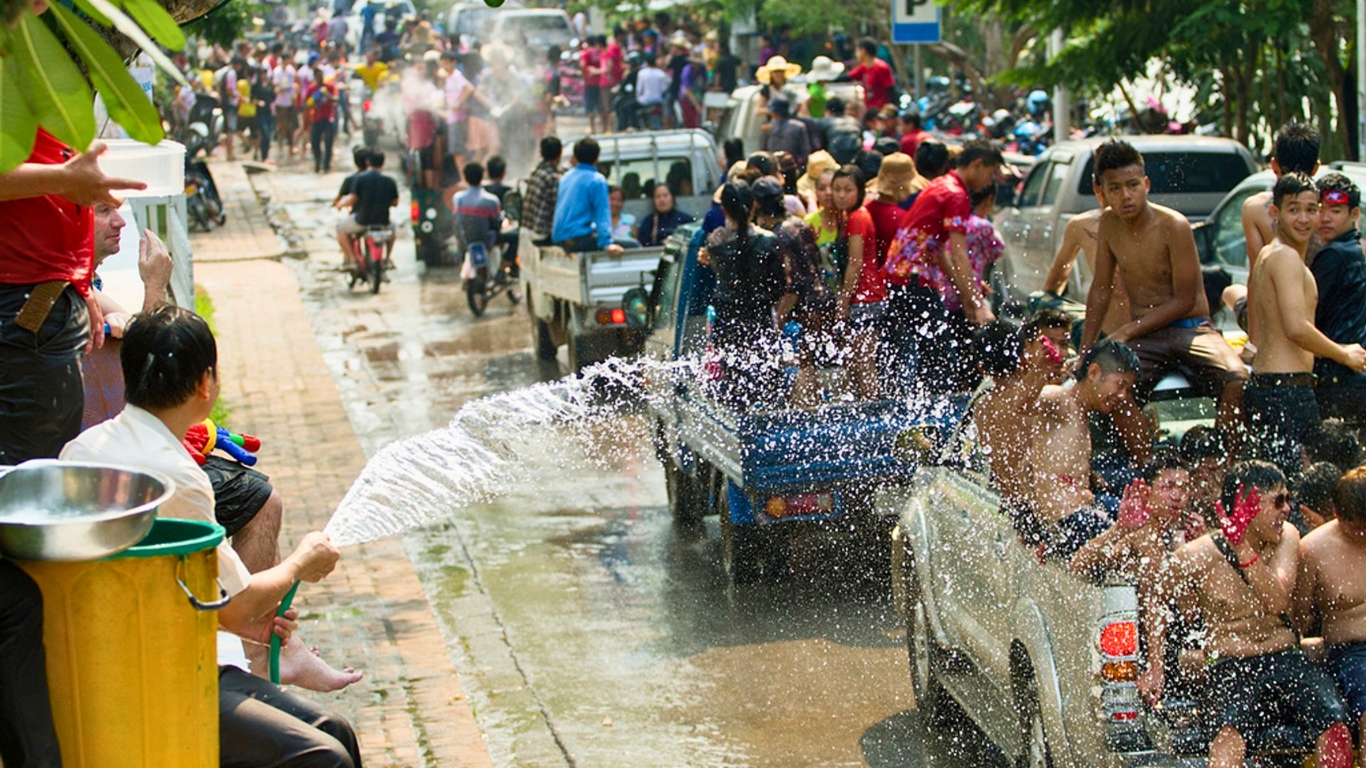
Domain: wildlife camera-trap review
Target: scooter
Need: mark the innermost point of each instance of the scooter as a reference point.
(202, 200)
(370, 257)
(483, 284)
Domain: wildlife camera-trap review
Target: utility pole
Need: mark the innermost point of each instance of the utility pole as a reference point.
(1062, 98)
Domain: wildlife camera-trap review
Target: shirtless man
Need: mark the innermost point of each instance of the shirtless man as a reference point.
(1241, 580)
(1280, 401)
(1152, 249)
(1059, 450)
(1330, 588)
(1021, 363)
(1079, 239)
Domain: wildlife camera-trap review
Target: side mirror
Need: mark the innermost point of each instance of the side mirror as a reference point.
(636, 303)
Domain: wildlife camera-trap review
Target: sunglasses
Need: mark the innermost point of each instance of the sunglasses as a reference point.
(1281, 499)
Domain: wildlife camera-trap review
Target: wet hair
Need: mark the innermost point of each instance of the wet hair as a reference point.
(852, 173)
(1201, 442)
(1247, 475)
(1317, 488)
(1164, 458)
(763, 162)
(1332, 440)
(736, 200)
(551, 148)
(912, 118)
(869, 162)
(835, 106)
(361, 157)
(165, 354)
(982, 195)
(473, 173)
(868, 45)
(734, 150)
(979, 149)
(586, 151)
(376, 158)
(1349, 495)
(1000, 347)
(1337, 182)
(1112, 357)
(1113, 155)
(498, 167)
(1045, 318)
(1291, 185)
(1297, 148)
(932, 159)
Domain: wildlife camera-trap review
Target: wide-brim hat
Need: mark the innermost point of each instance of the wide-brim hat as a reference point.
(680, 39)
(895, 175)
(780, 64)
(823, 69)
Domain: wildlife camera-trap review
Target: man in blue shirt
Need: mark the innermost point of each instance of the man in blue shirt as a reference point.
(583, 221)
(1340, 270)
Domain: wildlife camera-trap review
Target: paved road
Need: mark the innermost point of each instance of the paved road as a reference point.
(586, 630)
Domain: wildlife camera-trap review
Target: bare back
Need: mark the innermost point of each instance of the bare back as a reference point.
(1332, 584)
(1259, 227)
(1144, 260)
(1280, 286)
(1059, 456)
(999, 416)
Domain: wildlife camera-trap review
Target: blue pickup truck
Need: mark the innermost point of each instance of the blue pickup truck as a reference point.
(763, 471)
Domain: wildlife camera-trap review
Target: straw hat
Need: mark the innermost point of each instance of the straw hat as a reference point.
(896, 174)
(778, 64)
(679, 39)
(819, 162)
(823, 69)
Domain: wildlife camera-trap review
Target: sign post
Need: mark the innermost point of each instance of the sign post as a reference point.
(915, 22)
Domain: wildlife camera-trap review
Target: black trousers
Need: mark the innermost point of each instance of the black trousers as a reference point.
(261, 725)
(27, 739)
(41, 394)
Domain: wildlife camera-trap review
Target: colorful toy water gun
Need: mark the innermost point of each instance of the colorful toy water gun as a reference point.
(204, 437)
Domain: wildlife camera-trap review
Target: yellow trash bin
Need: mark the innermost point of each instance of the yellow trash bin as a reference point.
(132, 651)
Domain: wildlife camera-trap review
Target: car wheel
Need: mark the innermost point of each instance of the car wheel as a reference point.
(740, 545)
(1034, 737)
(687, 503)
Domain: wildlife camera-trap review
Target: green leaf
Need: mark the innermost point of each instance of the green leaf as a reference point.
(128, 27)
(158, 23)
(54, 89)
(18, 126)
(95, 15)
(123, 96)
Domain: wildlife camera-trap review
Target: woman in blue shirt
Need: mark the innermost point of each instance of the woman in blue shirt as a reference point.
(656, 227)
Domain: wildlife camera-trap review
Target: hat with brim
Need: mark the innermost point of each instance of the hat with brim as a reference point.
(680, 40)
(896, 175)
(823, 69)
(777, 64)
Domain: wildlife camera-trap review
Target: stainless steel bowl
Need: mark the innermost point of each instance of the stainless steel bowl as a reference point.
(59, 510)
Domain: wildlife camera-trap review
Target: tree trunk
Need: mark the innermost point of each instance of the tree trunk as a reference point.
(1323, 30)
(181, 10)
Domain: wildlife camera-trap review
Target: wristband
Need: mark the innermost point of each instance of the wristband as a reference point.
(1249, 563)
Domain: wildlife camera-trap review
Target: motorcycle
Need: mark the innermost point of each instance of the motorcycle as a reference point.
(481, 287)
(370, 258)
(371, 121)
(202, 200)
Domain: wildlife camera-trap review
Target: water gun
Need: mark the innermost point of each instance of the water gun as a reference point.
(204, 437)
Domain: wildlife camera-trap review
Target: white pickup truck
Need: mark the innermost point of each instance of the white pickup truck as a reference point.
(577, 299)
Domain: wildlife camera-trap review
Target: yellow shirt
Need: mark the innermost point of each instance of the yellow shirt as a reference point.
(245, 106)
(371, 74)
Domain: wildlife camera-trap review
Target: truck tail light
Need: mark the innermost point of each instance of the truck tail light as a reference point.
(1119, 672)
(819, 502)
(416, 212)
(615, 316)
(1119, 640)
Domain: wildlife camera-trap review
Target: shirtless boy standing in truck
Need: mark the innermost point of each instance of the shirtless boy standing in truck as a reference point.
(1241, 580)
(1280, 402)
(1059, 453)
(1330, 589)
(1151, 247)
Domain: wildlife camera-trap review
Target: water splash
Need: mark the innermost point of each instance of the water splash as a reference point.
(419, 480)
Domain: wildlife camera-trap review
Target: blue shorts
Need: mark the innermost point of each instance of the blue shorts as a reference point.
(1347, 662)
(1069, 534)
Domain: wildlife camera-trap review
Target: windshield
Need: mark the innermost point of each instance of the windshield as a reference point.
(536, 24)
(1183, 173)
(473, 22)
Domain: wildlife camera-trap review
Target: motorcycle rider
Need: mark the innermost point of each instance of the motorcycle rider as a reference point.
(372, 195)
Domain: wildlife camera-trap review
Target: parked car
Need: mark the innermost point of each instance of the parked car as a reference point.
(1190, 174)
(469, 22)
(1220, 238)
(400, 9)
(533, 31)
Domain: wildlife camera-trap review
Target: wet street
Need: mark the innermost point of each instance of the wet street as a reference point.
(587, 631)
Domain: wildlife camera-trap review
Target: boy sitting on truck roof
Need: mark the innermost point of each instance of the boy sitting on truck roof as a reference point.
(1242, 578)
(1331, 590)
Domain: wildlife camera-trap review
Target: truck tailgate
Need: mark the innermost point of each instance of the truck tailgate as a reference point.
(608, 276)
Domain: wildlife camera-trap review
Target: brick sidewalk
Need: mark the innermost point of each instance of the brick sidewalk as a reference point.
(410, 709)
(247, 233)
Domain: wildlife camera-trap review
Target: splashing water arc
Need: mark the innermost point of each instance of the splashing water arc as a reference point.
(419, 480)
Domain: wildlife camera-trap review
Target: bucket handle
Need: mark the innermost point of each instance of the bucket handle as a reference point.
(221, 602)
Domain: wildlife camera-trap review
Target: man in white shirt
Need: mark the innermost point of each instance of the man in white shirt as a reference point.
(652, 84)
(170, 368)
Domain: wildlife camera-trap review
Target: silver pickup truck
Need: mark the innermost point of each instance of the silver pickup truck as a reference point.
(1043, 661)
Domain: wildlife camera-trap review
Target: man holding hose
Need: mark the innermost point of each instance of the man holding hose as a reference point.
(170, 371)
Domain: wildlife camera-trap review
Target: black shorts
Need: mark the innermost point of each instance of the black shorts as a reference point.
(1262, 692)
(42, 395)
(239, 492)
(1279, 415)
(592, 99)
(1069, 534)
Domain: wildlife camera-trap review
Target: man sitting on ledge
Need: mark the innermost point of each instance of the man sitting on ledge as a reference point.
(583, 217)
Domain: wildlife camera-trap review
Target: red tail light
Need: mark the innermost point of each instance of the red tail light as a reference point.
(416, 212)
(1119, 640)
(365, 106)
(618, 316)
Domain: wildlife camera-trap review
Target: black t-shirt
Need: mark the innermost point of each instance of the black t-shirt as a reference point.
(374, 194)
(499, 190)
(1340, 270)
(347, 184)
(749, 280)
(727, 67)
(676, 65)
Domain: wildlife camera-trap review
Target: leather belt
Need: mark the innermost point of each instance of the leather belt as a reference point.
(1283, 380)
(40, 302)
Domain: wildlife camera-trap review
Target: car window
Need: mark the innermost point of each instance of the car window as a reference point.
(1230, 245)
(536, 23)
(1032, 189)
(473, 22)
(1183, 172)
(637, 177)
(1057, 176)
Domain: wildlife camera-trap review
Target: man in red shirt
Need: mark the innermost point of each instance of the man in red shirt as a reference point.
(591, 64)
(912, 132)
(929, 259)
(48, 316)
(614, 69)
(874, 73)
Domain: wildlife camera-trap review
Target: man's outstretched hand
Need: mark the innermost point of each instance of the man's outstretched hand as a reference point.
(86, 184)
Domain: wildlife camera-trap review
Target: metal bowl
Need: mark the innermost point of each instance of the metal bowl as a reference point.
(60, 510)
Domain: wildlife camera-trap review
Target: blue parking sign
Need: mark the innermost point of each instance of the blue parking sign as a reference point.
(915, 21)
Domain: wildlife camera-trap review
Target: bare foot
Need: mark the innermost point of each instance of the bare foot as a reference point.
(301, 666)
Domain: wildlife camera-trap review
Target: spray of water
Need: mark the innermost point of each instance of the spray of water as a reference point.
(418, 480)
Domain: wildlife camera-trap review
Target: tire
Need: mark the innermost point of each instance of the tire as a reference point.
(1034, 738)
(545, 342)
(741, 548)
(474, 296)
(376, 268)
(428, 250)
(922, 651)
(687, 501)
(199, 214)
(576, 362)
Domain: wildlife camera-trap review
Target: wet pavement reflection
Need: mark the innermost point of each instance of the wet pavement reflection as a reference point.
(588, 630)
